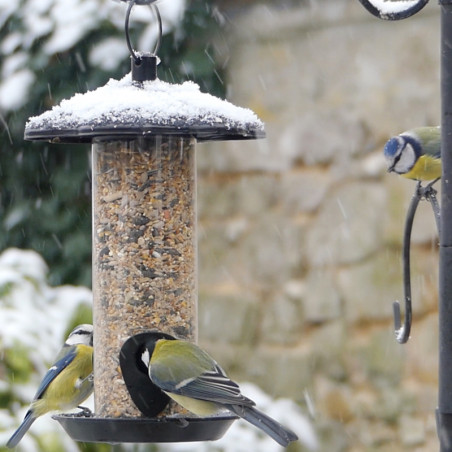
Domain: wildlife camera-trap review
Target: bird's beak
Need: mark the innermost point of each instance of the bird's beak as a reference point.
(390, 169)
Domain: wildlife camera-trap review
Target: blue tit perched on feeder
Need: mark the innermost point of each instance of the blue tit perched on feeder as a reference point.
(66, 384)
(194, 380)
(415, 154)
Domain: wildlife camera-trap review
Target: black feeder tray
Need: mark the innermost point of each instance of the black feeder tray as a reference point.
(128, 109)
(144, 430)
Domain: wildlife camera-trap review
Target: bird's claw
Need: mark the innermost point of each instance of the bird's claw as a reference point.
(85, 412)
(182, 422)
(428, 191)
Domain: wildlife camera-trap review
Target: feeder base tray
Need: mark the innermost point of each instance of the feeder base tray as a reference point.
(144, 430)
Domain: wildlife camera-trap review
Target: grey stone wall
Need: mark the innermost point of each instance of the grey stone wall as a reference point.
(300, 234)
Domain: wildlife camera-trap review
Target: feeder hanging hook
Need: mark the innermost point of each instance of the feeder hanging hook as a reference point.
(144, 65)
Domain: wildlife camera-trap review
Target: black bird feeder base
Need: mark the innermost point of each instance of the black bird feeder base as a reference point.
(144, 430)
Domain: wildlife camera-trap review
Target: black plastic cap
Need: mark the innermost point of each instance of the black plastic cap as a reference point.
(144, 67)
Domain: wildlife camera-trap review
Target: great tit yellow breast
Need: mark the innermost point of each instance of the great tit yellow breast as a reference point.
(426, 168)
(198, 407)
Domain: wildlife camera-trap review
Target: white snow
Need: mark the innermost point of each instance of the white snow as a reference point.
(14, 89)
(108, 54)
(32, 311)
(70, 28)
(10, 43)
(13, 63)
(391, 7)
(121, 103)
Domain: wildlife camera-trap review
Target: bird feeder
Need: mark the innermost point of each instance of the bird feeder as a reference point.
(143, 134)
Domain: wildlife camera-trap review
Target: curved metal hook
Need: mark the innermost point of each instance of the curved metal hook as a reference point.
(396, 10)
(402, 332)
(156, 11)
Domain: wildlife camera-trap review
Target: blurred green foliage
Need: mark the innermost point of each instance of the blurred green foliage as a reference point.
(45, 200)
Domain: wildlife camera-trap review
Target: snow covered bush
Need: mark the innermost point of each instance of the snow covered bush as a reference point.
(34, 322)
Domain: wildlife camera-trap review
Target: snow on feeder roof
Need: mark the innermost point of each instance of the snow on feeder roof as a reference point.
(129, 108)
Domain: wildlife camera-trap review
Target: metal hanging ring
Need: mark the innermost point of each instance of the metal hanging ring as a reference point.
(156, 11)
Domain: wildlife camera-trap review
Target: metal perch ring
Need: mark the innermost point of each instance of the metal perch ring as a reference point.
(156, 11)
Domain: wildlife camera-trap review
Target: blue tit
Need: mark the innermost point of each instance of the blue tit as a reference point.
(66, 384)
(415, 154)
(195, 381)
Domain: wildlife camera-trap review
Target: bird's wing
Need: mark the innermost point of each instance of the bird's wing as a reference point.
(215, 386)
(432, 145)
(212, 386)
(55, 370)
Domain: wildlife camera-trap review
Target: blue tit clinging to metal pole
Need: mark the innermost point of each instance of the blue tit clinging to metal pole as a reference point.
(415, 154)
(194, 380)
(67, 383)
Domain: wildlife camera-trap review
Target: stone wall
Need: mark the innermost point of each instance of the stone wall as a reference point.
(300, 234)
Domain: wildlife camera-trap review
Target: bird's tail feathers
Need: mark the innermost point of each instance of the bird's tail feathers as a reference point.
(279, 433)
(20, 432)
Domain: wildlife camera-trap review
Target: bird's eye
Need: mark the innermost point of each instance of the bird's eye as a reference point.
(396, 159)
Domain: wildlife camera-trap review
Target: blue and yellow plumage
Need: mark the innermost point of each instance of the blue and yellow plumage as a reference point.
(194, 380)
(66, 384)
(415, 154)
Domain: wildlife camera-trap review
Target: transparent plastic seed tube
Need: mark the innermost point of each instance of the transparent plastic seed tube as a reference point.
(144, 252)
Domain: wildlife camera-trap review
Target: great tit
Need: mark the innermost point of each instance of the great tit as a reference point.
(66, 384)
(195, 381)
(415, 154)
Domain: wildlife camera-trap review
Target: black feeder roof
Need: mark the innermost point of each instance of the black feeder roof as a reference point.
(126, 109)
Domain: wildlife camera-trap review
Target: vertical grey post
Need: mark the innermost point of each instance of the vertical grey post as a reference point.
(444, 412)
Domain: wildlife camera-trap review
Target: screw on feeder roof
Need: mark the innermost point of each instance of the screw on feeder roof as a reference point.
(143, 65)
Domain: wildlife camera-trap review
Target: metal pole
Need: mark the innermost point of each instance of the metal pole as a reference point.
(444, 411)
